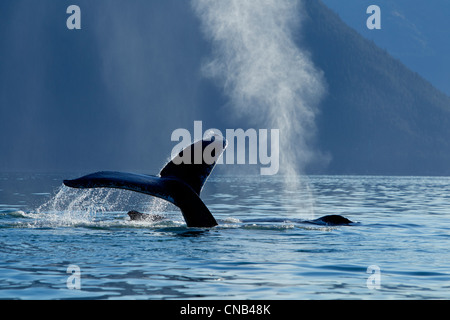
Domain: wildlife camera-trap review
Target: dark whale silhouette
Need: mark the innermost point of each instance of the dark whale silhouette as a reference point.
(332, 220)
(179, 182)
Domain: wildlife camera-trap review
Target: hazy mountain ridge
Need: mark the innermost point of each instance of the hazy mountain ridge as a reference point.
(379, 117)
(108, 96)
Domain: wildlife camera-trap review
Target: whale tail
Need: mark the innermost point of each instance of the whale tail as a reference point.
(194, 164)
(179, 182)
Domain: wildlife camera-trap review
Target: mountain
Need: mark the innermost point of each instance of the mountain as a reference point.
(414, 31)
(378, 117)
(108, 96)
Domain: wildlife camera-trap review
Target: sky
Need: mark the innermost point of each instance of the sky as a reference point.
(108, 96)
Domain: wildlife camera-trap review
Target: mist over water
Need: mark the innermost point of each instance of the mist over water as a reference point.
(267, 77)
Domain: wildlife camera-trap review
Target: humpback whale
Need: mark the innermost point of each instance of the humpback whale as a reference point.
(180, 182)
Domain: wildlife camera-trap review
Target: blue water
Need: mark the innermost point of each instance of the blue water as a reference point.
(262, 248)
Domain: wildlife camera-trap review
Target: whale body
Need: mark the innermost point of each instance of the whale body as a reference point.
(179, 182)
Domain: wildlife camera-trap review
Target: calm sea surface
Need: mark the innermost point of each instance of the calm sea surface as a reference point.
(264, 247)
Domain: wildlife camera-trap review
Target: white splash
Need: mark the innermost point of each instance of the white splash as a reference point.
(93, 207)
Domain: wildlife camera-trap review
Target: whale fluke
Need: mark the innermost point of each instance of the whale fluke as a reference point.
(179, 182)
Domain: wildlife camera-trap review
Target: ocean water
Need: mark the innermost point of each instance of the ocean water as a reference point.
(264, 247)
